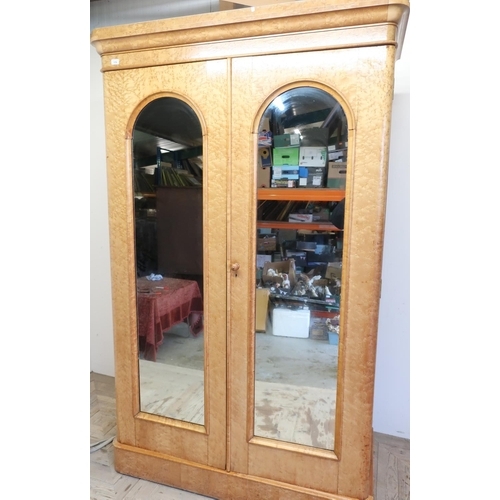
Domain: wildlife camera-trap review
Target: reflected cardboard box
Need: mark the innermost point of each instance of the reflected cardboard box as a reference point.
(284, 266)
(266, 242)
(336, 177)
(336, 154)
(312, 177)
(263, 177)
(262, 259)
(318, 329)
(289, 172)
(313, 157)
(321, 215)
(300, 218)
(265, 157)
(261, 308)
(334, 270)
(283, 183)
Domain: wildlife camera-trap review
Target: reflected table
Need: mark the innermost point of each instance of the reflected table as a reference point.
(163, 304)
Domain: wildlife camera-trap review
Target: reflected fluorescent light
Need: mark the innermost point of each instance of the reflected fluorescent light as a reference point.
(279, 103)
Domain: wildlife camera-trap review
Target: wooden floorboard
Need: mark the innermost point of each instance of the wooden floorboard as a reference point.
(391, 459)
(391, 467)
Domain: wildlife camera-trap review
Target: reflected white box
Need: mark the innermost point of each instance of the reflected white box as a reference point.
(313, 157)
(288, 323)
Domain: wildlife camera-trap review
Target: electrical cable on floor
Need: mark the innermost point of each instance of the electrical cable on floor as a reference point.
(100, 444)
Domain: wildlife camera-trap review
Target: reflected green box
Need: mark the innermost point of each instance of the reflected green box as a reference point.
(336, 183)
(286, 140)
(285, 156)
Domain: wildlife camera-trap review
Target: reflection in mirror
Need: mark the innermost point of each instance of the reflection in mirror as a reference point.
(168, 214)
(302, 160)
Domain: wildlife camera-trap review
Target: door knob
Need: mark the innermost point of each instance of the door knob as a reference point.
(234, 267)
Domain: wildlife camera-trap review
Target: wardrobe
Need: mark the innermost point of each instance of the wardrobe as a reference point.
(227, 68)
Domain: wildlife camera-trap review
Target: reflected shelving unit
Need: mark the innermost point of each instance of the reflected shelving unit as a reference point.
(221, 68)
(311, 195)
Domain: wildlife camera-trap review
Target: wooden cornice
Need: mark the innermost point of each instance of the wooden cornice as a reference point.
(256, 22)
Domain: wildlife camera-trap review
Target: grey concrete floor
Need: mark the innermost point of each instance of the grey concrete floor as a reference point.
(296, 361)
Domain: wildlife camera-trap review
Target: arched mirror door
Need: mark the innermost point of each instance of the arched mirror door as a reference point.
(167, 178)
(168, 223)
(288, 412)
(301, 174)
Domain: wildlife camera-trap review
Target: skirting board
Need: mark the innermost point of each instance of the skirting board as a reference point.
(209, 481)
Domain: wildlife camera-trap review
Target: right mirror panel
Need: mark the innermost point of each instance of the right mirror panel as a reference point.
(301, 178)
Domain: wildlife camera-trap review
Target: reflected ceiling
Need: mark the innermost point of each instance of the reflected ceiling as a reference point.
(172, 125)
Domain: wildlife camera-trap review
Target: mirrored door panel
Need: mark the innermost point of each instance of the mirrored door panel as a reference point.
(301, 173)
(167, 178)
(168, 215)
(288, 405)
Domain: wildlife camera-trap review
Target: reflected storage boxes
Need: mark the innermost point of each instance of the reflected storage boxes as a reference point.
(264, 157)
(264, 168)
(266, 242)
(285, 266)
(334, 271)
(284, 176)
(286, 140)
(336, 175)
(291, 323)
(263, 177)
(312, 177)
(261, 308)
(313, 157)
(286, 156)
(285, 172)
(318, 325)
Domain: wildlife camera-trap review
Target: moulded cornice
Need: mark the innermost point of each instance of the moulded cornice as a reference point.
(249, 23)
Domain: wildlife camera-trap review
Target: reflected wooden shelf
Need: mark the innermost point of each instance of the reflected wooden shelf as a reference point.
(313, 226)
(301, 194)
(328, 304)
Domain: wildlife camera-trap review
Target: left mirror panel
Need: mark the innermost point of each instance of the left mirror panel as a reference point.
(168, 216)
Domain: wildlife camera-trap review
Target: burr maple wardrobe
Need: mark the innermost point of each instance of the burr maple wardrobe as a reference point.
(224, 70)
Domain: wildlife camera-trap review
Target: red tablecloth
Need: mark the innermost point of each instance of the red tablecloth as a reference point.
(163, 304)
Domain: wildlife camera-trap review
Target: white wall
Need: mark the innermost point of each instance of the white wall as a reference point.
(391, 414)
(113, 12)
(392, 377)
(101, 327)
